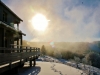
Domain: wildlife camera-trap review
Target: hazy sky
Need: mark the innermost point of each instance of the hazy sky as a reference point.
(70, 20)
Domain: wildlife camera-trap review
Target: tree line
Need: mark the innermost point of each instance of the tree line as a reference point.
(89, 57)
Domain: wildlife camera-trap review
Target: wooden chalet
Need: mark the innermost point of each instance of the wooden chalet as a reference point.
(8, 33)
(12, 51)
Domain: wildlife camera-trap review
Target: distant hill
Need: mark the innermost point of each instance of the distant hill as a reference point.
(78, 47)
(95, 46)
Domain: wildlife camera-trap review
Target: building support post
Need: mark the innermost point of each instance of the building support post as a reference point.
(21, 43)
(34, 62)
(12, 42)
(30, 63)
(3, 38)
(17, 26)
(17, 45)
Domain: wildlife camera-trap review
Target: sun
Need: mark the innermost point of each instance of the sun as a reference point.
(39, 22)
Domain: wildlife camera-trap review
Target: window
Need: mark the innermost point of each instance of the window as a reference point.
(4, 16)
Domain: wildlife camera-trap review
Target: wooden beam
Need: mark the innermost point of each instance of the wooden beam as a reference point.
(30, 63)
(34, 62)
(21, 43)
(17, 45)
(17, 26)
(3, 39)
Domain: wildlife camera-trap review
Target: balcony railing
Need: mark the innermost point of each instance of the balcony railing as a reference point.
(15, 54)
(10, 27)
(18, 48)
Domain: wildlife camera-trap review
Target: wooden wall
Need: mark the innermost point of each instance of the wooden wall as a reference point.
(10, 16)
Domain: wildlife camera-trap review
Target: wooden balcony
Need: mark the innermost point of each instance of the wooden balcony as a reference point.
(13, 57)
(11, 28)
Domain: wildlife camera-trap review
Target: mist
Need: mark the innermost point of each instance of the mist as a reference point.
(70, 21)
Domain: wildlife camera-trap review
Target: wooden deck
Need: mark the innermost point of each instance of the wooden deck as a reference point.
(14, 57)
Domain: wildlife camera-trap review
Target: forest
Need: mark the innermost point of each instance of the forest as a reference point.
(78, 52)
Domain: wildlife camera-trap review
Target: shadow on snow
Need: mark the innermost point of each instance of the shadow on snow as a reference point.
(29, 70)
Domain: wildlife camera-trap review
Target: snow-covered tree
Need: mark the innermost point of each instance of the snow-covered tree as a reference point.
(43, 50)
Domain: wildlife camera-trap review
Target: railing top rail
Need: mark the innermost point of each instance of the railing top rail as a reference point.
(21, 45)
(18, 49)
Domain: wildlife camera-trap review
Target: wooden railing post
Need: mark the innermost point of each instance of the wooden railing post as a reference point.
(33, 50)
(30, 49)
(30, 62)
(17, 48)
(3, 50)
(21, 49)
(34, 62)
(11, 49)
(36, 51)
(26, 49)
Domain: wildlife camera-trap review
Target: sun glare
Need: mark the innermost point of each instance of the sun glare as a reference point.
(39, 22)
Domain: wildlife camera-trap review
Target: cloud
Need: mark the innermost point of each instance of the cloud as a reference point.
(69, 20)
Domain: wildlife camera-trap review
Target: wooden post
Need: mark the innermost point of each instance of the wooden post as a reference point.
(26, 49)
(17, 45)
(30, 49)
(3, 38)
(34, 62)
(30, 63)
(20, 48)
(33, 49)
(11, 41)
(21, 40)
(21, 43)
(17, 26)
(36, 51)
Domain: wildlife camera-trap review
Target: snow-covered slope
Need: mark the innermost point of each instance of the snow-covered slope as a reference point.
(50, 68)
(86, 68)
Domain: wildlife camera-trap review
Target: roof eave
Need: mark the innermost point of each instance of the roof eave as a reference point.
(10, 11)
